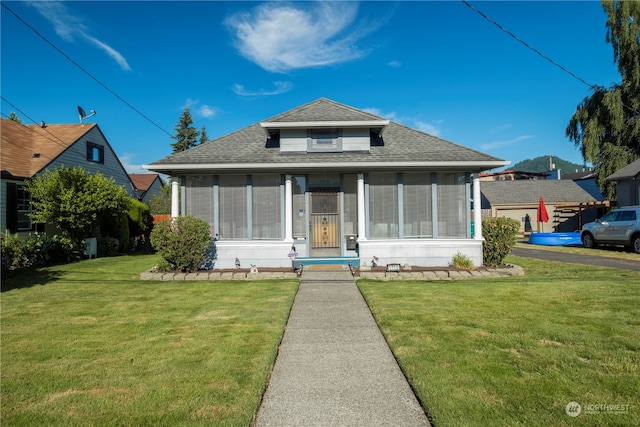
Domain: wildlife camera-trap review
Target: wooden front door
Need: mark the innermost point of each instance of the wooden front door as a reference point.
(325, 223)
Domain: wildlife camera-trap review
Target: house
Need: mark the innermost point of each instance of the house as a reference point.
(28, 150)
(569, 206)
(325, 181)
(587, 181)
(146, 185)
(627, 182)
(512, 175)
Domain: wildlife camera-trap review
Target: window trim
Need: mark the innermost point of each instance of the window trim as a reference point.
(93, 148)
(330, 134)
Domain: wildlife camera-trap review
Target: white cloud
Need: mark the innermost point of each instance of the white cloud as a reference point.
(394, 64)
(279, 87)
(280, 37)
(207, 111)
(126, 159)
(203, 110)
(378, 112)
(500, 144)
(429, 128)
(69, 27)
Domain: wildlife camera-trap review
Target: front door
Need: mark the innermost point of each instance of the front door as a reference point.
(325, 223)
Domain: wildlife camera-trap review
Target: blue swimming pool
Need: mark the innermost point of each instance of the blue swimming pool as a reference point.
(555, 239)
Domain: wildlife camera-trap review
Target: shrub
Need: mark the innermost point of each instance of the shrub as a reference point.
(462, 261)
(140, 225)
(182, 242)
(108, 246)
(60, 249)
(499, 235)
(34, 249)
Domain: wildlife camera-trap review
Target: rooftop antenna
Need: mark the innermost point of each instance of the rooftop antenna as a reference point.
(84, 115)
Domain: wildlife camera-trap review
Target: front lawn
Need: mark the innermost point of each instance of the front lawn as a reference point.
(517, 351)
(90, 344)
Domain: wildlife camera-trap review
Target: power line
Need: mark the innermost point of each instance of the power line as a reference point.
(528, 46)
(84, 70)
(61, 143)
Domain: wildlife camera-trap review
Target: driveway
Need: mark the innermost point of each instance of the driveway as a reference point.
(622, 264)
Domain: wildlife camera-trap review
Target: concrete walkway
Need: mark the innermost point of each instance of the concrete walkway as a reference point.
(334, 367)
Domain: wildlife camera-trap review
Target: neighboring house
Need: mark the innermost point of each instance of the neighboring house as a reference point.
(568, 205)
(587, 181)
(512, 175)
(627, 182)
(336, 183)
(28, 150)
(146, 185)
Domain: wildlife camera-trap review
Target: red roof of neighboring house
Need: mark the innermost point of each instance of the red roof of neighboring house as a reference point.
(142, 181)
(27, 149)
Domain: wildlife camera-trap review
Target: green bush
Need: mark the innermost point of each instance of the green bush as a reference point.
(140, 225)
(34, 249)
(182, 242)
(499, 235)
(108, 246)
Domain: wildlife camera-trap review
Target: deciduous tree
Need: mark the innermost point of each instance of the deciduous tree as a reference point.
(606, 125)
(76, 201)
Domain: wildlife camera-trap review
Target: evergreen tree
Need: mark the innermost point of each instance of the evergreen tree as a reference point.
(186, 135)
(203, 135)
(606, 125)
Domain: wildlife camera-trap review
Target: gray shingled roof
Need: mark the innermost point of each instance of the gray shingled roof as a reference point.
(323, 109)
(528, 192)
(249, 148)
(630, 171)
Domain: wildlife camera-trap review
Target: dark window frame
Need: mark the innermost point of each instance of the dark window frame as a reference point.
(95, 153)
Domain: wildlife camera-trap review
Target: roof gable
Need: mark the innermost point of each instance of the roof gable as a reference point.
(324, 110)
(27, 149)
(630, 171)
(142, 181)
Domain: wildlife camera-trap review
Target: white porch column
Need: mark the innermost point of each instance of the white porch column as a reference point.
(477, 208)
(361, 209)
(288, 206)
(175, 197)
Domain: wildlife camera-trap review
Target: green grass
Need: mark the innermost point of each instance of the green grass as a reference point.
(602, 250)
(90, 344)
(515, 351)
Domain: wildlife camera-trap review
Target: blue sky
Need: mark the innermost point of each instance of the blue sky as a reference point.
(437, 66)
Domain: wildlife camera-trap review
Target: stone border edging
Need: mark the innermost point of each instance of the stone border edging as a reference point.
(510, 270)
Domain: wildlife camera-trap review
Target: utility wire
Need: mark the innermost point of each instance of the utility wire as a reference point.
(61, 143)
(594, 87)
(84, 70)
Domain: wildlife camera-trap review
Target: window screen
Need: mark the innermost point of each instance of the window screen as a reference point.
(199, 197)
(266, 197)
(233, 207)
(350, 185)
(299, 188)
(417, 205)
(452, 208)
(383, 205)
